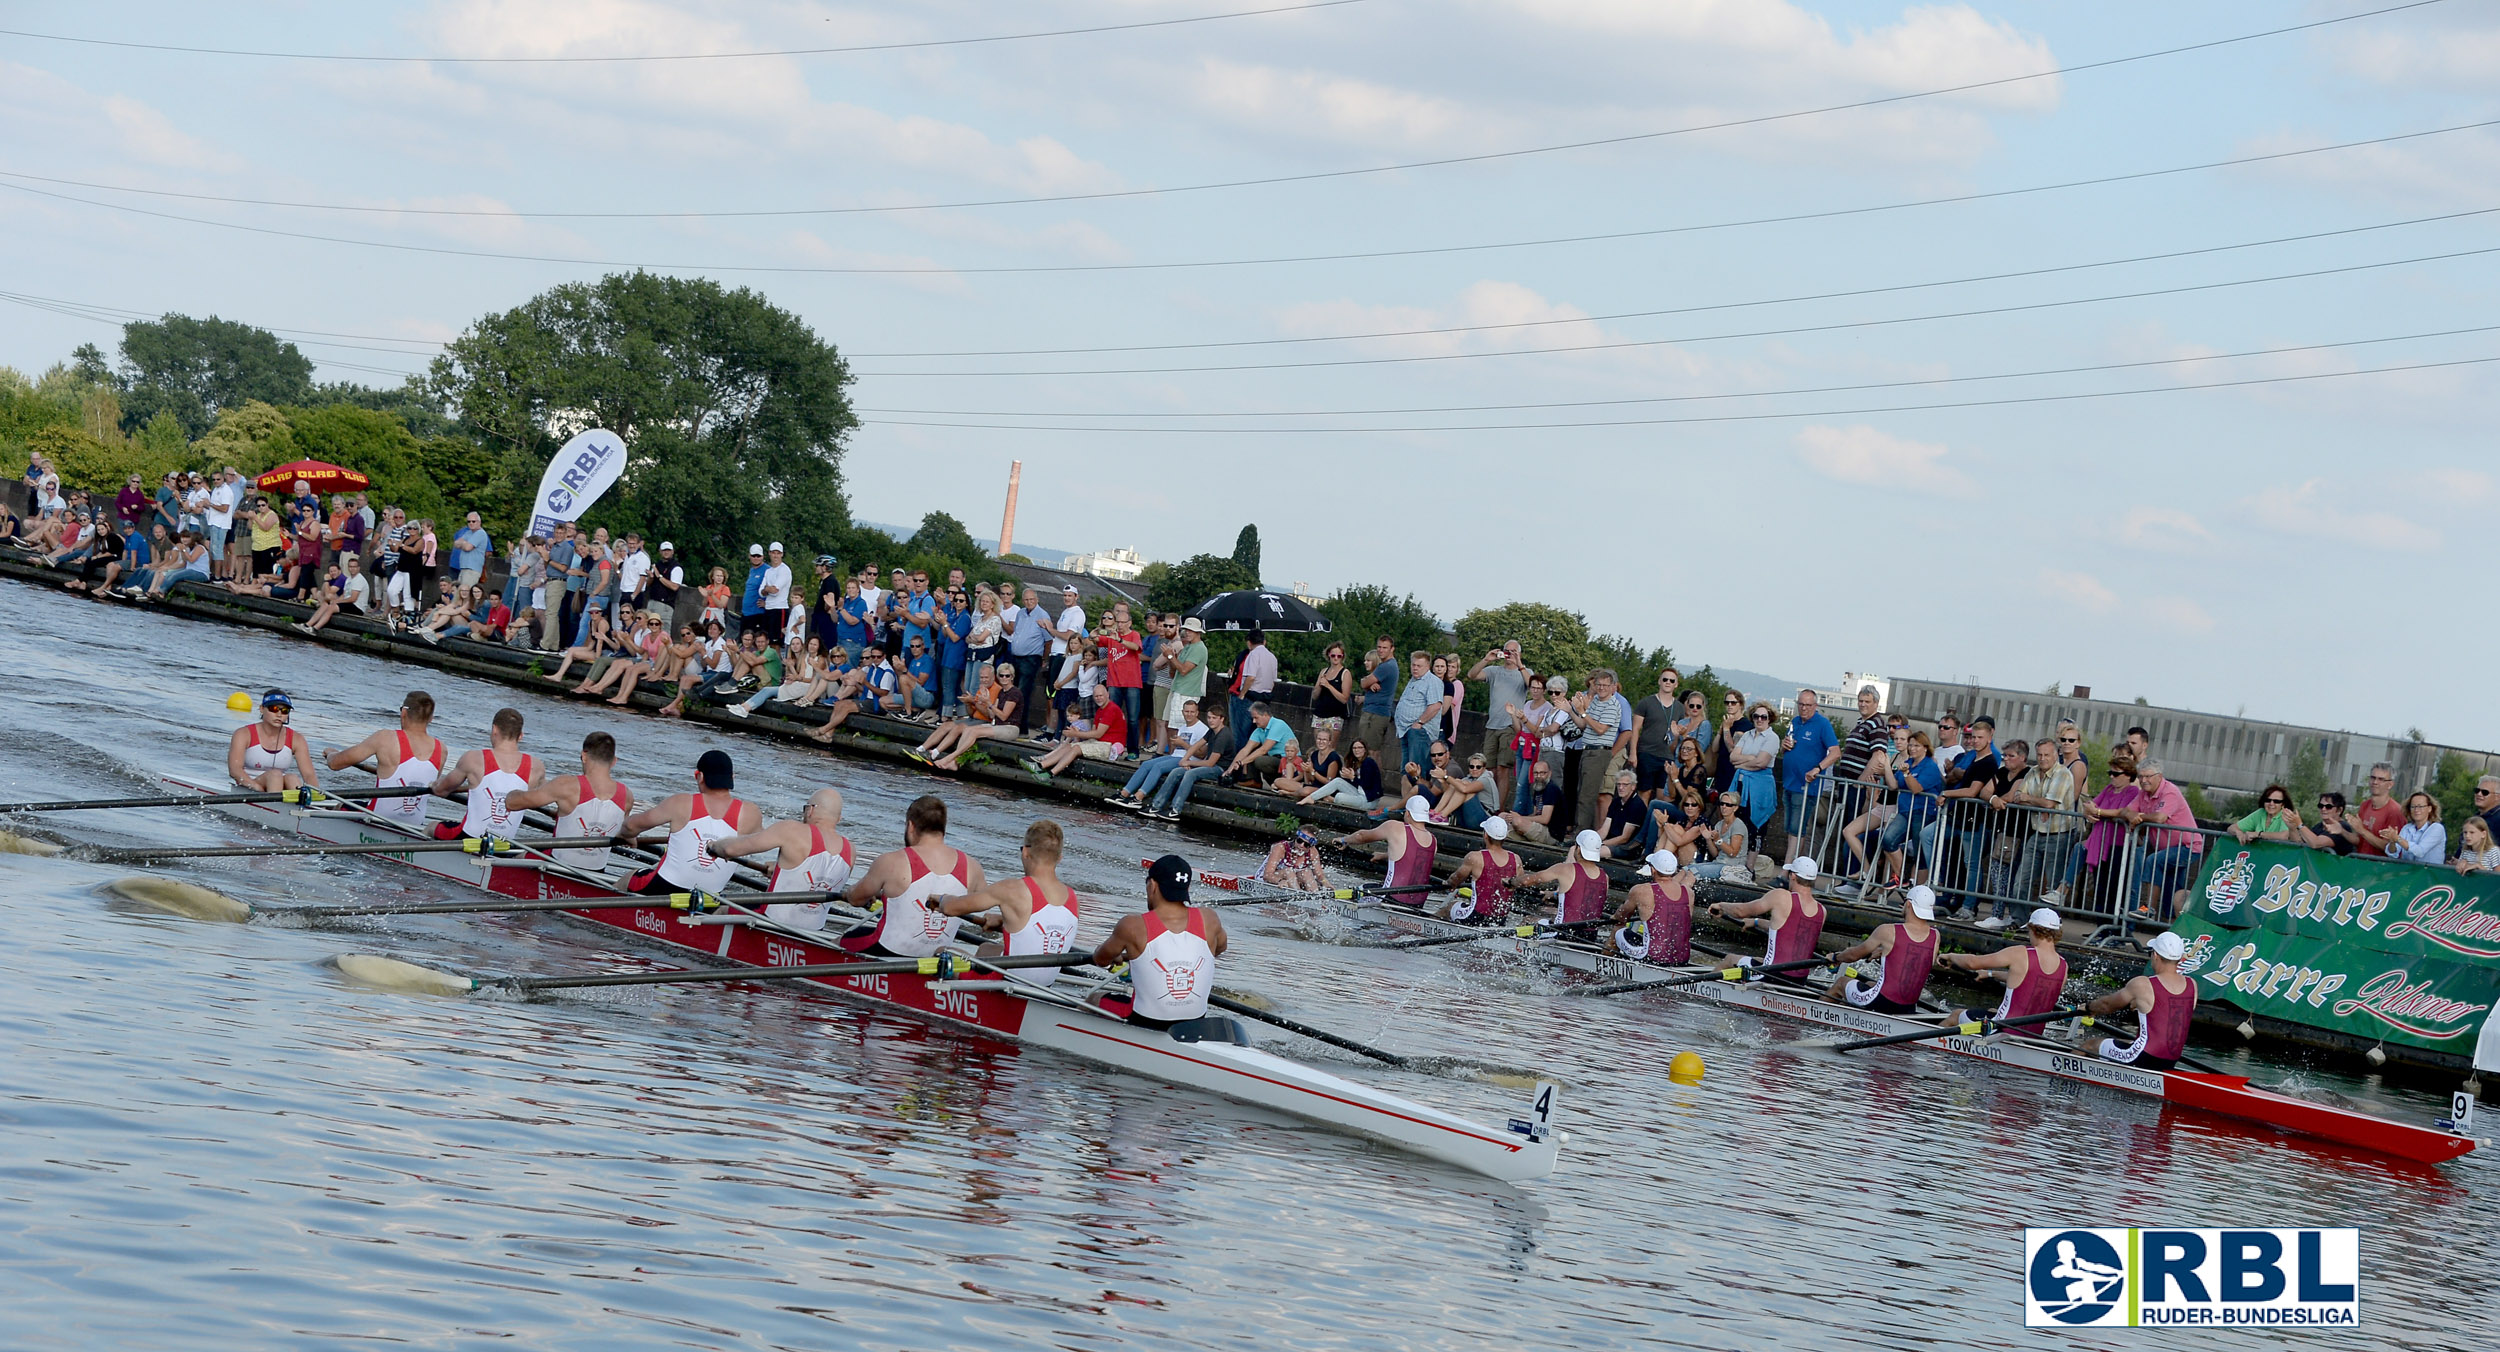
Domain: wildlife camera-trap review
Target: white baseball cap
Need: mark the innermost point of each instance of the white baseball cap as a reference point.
(2168, 944)
(1069, 588)
(2047, 918)
(775, 546)
(1418, 808)
(667, 545)
(1804, 868)
(753, 550)
(1591, 845)
(1923, 901)
(1660, 864)
(1496, 829)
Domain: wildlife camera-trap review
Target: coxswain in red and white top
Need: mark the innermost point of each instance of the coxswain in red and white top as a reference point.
(1410, 844)
(1904, 953)
(1294, 862)
(696, 823)
(1790, 915)
(1664, 932)
(491, 775)
(266, 755)
(810, 855)
(1170, 949)
(913, 882)
(1036, 913)
(2164, 999)
(591, 804)
(2034, 974)
(1579, 884)
(408, 756)
(1487, 875)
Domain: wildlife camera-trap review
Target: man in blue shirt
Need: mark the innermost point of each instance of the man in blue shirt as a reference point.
(469, 547)
(563, 556)
(751, 606)
(1028, 642)
(919, 612)
(1378, 692)
(954, 626)
(921, 665)
(1806, 757)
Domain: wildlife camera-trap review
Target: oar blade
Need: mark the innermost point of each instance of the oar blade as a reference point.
(180, 898)
(372, 969)
(13, 843)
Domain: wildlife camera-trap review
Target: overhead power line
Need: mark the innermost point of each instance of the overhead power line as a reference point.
(1703, 418)
(1850, 294)
(126, 45)
(1785, 331)
(1792, 391)
(1357, 255)
(1628, 138)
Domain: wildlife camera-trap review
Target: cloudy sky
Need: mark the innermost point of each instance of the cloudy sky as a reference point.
(1801, 337)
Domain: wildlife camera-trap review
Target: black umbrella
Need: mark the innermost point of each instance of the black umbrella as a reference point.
(1272, 611)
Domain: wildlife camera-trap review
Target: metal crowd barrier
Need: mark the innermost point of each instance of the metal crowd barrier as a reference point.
(2006, 860)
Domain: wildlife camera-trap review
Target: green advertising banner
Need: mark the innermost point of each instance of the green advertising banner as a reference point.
(2389, 952)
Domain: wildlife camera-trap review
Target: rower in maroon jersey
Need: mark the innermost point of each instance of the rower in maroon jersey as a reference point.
(1487, 873)
(2034, 974)
(2164, 999)
(1790, 915)
(1904, 952)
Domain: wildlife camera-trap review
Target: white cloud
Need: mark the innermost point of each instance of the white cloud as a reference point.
(2308, 511)
(152, 136)
(1863, 455)
(2456, 486)
(1324, 106)
(2164, 528)
(2178, 615)
(2454, 58)
(2080, 590)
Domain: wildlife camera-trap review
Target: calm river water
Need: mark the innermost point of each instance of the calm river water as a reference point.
(208, 1139)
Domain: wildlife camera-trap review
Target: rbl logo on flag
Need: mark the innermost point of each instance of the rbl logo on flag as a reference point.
(2095, 1277)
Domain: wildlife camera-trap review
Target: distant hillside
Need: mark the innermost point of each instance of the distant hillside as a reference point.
(1758, 686)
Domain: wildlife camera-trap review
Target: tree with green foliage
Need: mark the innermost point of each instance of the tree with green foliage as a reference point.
(197, 369)
(942, 536)
(252, 437)
(1189, 583)
(1357, 616)
(733, 411)
(1246, 550)
(2452, 787)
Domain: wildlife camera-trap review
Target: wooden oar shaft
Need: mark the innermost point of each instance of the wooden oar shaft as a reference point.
(214, 799)
(517, 848)
(1306, 1030)
(956, 964)
(1957, 1027)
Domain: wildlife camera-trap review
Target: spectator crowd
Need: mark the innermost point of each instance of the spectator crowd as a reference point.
(1995, 824)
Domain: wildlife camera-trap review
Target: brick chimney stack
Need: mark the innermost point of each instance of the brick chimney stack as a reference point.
(1007, 526)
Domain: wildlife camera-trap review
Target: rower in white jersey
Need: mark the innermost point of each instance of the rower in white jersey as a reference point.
(408, 756)
(696, 822)
(814, 856)
(1170, 949)
(266, 754)
(1032, 914)
(906, 887)
(490, 775)
(592, 804)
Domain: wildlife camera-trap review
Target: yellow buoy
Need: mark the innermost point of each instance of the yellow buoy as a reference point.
(1686, 1068)
(239, 702)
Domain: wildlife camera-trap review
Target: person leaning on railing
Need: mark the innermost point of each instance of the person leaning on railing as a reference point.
(2479, 854)
(2425, 840)
(2169, 856)
(2335, 831)
(2274, 819)
(2045, 794)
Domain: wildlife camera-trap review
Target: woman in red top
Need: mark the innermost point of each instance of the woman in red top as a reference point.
(1127, 674)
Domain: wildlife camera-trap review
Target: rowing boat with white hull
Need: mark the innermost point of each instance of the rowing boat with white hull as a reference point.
(2227, 1095)
(1008, 1010)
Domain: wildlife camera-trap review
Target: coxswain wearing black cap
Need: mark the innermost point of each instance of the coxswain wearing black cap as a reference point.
(696, 821)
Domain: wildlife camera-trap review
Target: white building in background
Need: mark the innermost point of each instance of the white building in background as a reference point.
(1118, 565)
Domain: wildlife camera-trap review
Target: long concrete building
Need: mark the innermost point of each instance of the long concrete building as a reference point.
(2240, 755)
